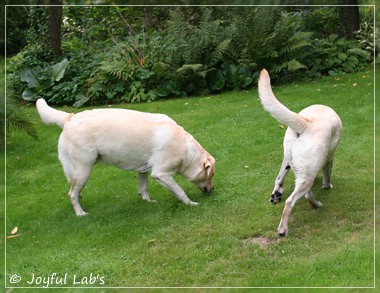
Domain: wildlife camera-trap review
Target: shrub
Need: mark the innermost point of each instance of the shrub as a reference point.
(365, 39)
(39, 80)
(193, 51)
(335, 55)
(271, 38)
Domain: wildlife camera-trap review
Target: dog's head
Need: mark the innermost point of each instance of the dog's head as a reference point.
(204, 178)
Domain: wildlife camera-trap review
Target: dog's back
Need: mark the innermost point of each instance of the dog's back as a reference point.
(125, 138)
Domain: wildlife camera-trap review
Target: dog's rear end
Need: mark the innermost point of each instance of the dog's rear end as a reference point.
(309, 145)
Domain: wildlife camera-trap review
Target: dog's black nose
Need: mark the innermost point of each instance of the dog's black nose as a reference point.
(208, 189)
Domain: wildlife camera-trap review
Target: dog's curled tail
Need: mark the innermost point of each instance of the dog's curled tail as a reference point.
(51, 116)
(275, 108)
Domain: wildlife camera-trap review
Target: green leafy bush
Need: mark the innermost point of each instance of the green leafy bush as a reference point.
(273, 39)
(335, 55)
(365, 37)
(192, 51)
(39, 80)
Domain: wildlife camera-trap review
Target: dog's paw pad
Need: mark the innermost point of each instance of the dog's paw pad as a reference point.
(275, 197)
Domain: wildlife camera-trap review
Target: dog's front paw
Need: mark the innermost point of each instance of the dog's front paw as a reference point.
(193, 203)
(275, 197)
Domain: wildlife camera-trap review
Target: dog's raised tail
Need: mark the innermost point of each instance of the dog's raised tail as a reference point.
(51, 116)
(275, 108)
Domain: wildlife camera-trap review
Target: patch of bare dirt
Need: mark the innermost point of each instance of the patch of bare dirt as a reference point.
(262, 241)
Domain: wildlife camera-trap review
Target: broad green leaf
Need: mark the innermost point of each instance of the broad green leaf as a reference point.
(59, 69)
(29, 95)
(81, 99)
(30, 77)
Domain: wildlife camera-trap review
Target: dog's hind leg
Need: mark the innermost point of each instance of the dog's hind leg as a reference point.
(143, 186)
(314, 203)
(78, 181)
(327, 168)
(278, 185)
(302, 187)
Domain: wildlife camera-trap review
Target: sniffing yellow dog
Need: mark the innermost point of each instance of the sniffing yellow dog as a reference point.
(309, 145)
(130, 140)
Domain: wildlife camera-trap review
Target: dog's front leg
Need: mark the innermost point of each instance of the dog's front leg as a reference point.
(168, 181)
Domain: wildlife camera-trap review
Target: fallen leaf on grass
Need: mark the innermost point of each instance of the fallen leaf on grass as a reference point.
(151, 241)
(14, 230)
(281, 126)
(13, 233)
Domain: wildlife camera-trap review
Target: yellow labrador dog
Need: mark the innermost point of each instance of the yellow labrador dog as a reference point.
(130, 140)
(309, 145)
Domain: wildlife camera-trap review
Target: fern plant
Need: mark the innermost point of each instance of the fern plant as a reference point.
(16, 120)
(204, 42)
(123, 75)
(274, 40)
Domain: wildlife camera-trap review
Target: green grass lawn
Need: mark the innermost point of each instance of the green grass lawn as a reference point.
(127, 242)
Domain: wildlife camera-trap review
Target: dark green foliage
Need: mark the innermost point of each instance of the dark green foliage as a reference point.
(17, 25)
(335, 55)
(17, 120)
(140, 54)
(205, 41)
(39, 80)
(322, 21)
(366, 38)
(274, 40)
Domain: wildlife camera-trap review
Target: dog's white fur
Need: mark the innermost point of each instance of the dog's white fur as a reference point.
(131, 140)
(309, 145)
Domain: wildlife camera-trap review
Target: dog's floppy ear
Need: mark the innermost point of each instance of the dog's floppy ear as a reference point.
(209, 167)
